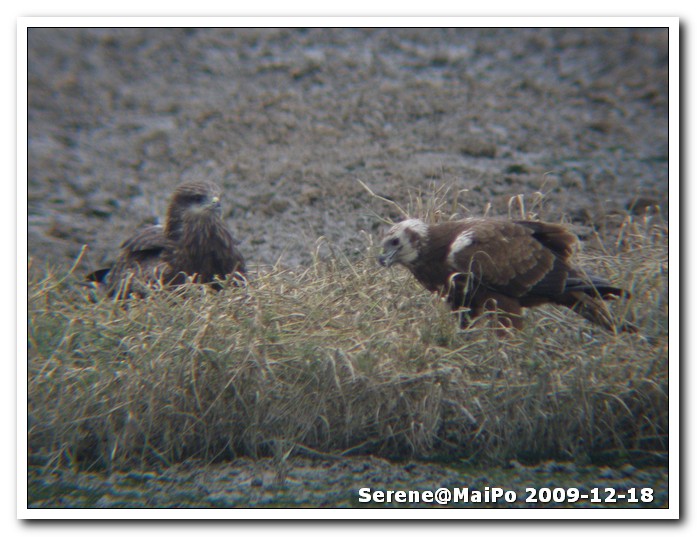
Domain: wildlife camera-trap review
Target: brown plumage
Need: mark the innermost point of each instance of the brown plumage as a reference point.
(486, 264)
(194, 244)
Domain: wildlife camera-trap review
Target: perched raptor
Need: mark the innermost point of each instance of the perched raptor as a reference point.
(485, 264)
(194, 244)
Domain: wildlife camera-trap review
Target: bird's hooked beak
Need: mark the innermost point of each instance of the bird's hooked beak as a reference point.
(386, 258)
(215, 204)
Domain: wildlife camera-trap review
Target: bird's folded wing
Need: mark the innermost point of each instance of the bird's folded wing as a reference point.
(505, 257)
(151, 238)
(556, 237)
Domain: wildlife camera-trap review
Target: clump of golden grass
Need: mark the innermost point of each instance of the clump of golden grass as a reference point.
(344, 358)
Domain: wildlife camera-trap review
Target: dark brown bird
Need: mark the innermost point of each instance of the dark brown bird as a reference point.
(485, 264)
(194, 244)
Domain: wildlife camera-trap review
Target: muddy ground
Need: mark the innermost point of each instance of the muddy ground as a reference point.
(289, 121)
(306, 483)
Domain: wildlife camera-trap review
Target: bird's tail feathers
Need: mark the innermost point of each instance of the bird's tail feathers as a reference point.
(594, 287)
(596, 311)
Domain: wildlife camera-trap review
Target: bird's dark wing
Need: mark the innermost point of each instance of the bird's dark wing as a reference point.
(556, 237)
(140, 262)
(149, 239)
(506, 257)
(562, 243)
(147, 243)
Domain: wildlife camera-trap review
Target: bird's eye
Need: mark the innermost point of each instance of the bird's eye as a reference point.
(394, 242)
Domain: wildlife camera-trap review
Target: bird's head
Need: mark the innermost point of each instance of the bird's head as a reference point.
(194, 200)
(403, 243)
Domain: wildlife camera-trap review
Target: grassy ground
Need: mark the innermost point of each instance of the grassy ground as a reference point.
(345, 358)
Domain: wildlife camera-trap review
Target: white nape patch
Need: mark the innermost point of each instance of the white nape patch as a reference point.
(462, 241)
(414, 224)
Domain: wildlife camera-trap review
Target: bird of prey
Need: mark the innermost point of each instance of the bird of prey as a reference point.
(193, 245)
(486, 264)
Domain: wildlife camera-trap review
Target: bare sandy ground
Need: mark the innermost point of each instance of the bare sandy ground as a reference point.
(289, 121)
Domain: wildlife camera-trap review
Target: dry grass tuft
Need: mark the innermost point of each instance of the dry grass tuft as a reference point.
(344, 358)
